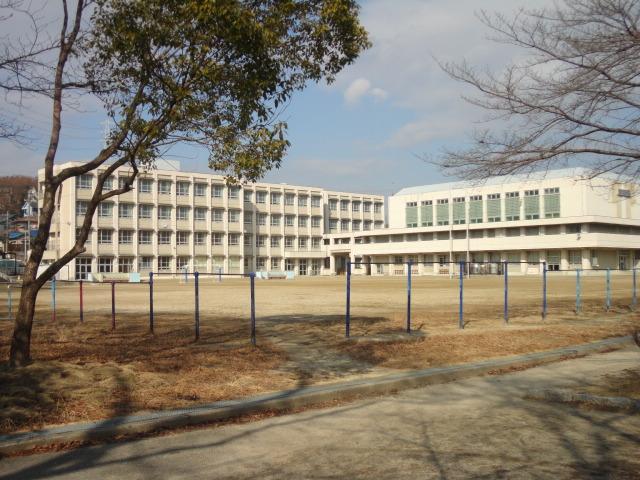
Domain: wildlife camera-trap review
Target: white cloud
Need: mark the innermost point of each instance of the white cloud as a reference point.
(360, 87)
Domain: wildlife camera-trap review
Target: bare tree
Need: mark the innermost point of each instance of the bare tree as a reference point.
(206, 72)
(574, 99)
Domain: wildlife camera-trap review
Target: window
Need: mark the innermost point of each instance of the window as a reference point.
(303, 221)
(200, 238)
(125, 210)
(302, 200)
(182, 238)
(459, 211)
(344, 205)
(333, 205)
(575, 259)
(125, 237)
(122, 182)
(355, 206)
(315, 243)
(344, 225)
(125, 264)
(105, 209)
(248, 218)
(531, 204)
(107, 186)
(573, 228)
(333, 224)
(84, 182)
(261, 263)
(200, 214)
(200, 189)
(288, 242)
(182, 213)
(164, 237)
(145, 210)
(411, 214)
(366, 207)
(355, 225)
(182, 189)
(442, 211)
(105, 264)
(261, 197)
(553, 260)
(275, 242)
(248, 240)
(378, 224)
(217, 216)
(475, 209)
(81, 207)
(551, 202)
(164, 264)
(164, 187)
(275, 263)
(248, 196)
(261, 240)
(216, 191)
(234, 216)
(164, 212)
(512, 206)
(145, 185)
(315, 202)
(512, 232)
(315, 222)
(145, 263)
(624, 193)
(217, 238)
(275, 220)
(262, 219)
(234, 192)
(145, 237)
(274, 198)
(105, 237)
(289, 220)
(289, 265)
(494, 209)
(377, 207)
(426, 213)
(367, 225)
(234, 239)
(303, 243)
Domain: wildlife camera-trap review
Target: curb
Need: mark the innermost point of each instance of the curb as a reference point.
(290, 399)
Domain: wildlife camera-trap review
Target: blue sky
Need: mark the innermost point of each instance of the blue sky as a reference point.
(369, 131)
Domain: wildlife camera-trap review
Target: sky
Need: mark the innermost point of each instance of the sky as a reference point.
(372, 130)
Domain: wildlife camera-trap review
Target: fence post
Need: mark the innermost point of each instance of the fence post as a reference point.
(608, 290)
(252, 289)
(53, 299)
(9, 301)
(409, 264)
(197, 304)
(186, 275)
(461, 308)
(151, 302)
(219, 274)
(113, 305)
(506, 292)
(544, 290)
(578, 292)
(81, 303)
(347, 318)
(634, 295)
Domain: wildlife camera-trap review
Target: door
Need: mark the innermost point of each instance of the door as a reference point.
(83, 268)
(622, 261)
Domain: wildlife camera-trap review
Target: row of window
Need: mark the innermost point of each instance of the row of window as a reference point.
(164, 237)
(354, 224)
(423, 215)
(355, 206)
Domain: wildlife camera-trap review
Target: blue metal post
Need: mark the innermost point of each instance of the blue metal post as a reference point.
(608, 290)
(347, 318)
(252, 281)
(53, 299)
(634, 295)
(151, 302)
(186, 275)
(506, 292)
(197, 305)
(113, 305)
(409, 297)
(578, 292)
(9, 301)
(544, 290)
(461, 308)
(219, 274)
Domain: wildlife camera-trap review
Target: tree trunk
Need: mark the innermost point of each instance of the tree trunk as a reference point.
(20, 354)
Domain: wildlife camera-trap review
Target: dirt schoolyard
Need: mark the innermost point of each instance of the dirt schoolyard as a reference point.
(86, 371)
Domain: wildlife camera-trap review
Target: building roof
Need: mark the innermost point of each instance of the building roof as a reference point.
(577, 173)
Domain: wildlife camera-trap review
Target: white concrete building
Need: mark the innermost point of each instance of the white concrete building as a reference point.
(176, 220)
(558, 218)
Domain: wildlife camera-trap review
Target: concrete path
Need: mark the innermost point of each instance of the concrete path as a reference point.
(480, 428)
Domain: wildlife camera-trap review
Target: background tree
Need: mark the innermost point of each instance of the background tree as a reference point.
(574, 99)
(208, 72)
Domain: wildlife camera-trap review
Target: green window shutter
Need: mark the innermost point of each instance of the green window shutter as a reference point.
(552, 205)
(475, 211)
(411, 216)
(531, 205)
(459, 214)
(493, 209)
(512, 207)
(426, 215)
(442, 213)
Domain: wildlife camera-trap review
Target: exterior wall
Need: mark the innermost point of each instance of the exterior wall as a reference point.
(299, 245)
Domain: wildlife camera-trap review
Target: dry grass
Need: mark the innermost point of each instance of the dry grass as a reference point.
(625, 384)
(86, 371)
